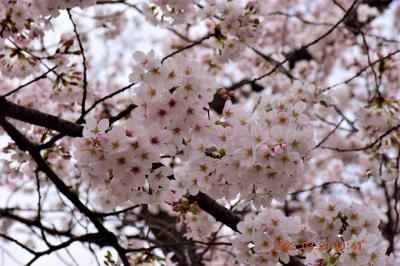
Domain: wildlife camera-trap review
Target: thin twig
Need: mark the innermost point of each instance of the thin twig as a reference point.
(18, 243)
(208, 36)
(80, 119)
(324, 185)
(42, 76)
(84, 62)
(362, 70)
(327, 33)
(329, 134)
(368, 146)
(39, 209)
(396, 190)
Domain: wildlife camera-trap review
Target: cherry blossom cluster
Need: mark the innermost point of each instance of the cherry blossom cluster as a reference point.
(379, 117)
(236, 21)
(51, 8)
(259, 155)
(239, 26)
(173, 11)
(118, 162)
(15, 63)
(235, 24)
(19, 13)
(23, 22)
(336, 220)
(375, 120)
(256, 245)
(170, 101)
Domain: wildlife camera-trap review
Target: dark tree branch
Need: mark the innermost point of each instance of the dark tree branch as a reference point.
(275, 63)
(218, 101)
(103, 99)
(35, 117)
(91, 238)
(122, 114)
(185, 251)
(380, 4)
(25, 145)
(219, 212)
(5, 213)
(15, 241)
(388, 227)
(38, 118)
(297, 56)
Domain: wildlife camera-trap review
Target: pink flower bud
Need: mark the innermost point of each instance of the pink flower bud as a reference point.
(102, 136)
(128, 133)
(267, 229)
(265, 150)
(277, 149)
(226, 124)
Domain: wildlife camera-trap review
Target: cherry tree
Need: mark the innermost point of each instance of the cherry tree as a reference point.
(209, 132)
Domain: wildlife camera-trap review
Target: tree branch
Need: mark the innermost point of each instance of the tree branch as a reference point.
(25, 145)
(84, 64)
(38, 118)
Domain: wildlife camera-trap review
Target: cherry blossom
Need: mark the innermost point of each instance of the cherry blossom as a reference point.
(209, 132)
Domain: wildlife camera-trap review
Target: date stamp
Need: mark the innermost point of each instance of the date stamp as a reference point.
(307, 246)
